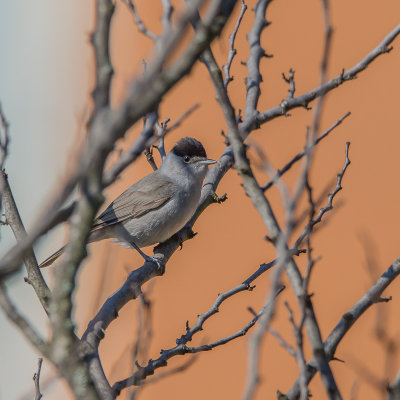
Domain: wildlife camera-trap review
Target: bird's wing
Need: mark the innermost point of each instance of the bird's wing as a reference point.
(136, 201)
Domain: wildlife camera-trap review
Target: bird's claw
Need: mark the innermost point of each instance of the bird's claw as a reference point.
(158, 262)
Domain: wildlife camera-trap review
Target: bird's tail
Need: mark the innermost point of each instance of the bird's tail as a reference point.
(49, 260)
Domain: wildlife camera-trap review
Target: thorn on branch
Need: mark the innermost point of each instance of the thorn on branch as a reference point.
(27, 280)
(192, 234)
(138, 366)
(252, 311)
(226, 140)
(220, 199)
(267, 55)
(300, 251)
(337, 359)
(239, 118)
(269, 239)
(383, 299)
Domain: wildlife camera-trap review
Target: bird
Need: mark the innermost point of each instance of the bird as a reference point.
(157, 206)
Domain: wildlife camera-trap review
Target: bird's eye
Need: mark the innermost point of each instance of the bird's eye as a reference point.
(186, 159)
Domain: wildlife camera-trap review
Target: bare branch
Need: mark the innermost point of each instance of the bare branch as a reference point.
(232, 51)
(182, 349)
(167, 14)
(101, 45)
(252, 121)
(139, 23)
(253, 63)
(282, 342)
(20, 322)
(300, 155)
(329, 206)
(298, 334)
(13, 219)
(290, 81)
(4, 140)
(324, 66)
(394, 389)
(36, 379)
(182, 118)
(348, 320)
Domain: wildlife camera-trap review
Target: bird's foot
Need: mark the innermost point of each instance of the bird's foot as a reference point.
(157, 261)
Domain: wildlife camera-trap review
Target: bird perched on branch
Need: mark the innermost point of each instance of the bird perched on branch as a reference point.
(157, 206)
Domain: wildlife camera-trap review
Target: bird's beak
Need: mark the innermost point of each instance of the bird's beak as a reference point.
(207, 161)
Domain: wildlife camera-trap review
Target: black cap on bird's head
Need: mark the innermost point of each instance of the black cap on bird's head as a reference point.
(192, 152)
(191, 147)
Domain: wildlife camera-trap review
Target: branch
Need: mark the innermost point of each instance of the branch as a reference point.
(101, 45)
(394, 389)
(182, 118)
(4, 141)
(300, 155)
(182, 349)
(348, 320)
(20, 322)
(201, 319)
(167, 14)
(13, 219)
(253, 63)
(253, 121)
(36, 379)
(329, 206)
(139, 23)
(232, 51)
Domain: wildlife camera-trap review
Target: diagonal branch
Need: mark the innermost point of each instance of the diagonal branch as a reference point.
(304, 100)
(141, 26)
(13, 219)
(20, 322)
(253, 63)
(182, 349)
(348, 320)
(101, 45)
(301, 154)
(232, 51)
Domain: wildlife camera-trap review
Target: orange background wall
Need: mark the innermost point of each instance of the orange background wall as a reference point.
(230, 245)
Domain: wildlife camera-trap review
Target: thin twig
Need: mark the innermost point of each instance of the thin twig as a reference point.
(232, 51)
(36, 380)
(182, 349)
(20, 322)
(255, 120)
(254, 78)
(329, 206)
(139, 23)
(167, 15)
(4, 140)
(182, 118)
(282, 342)
(13, 218)
(348, 320)
(301, 154)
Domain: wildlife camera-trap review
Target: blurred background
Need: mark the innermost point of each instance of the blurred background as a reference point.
(46, 80)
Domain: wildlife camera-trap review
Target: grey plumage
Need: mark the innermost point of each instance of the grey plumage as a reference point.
(157, 206)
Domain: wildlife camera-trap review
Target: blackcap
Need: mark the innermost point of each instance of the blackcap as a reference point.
(157, 206)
